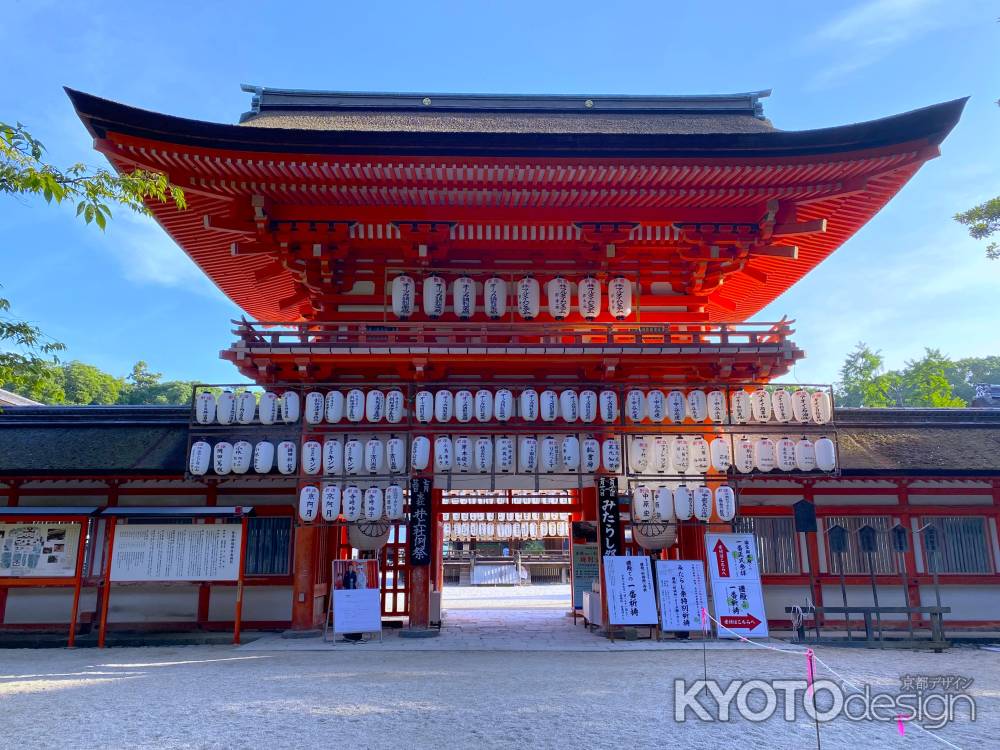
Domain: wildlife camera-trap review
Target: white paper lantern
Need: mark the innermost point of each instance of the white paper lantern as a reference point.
(683, 507)
(315, 406)
(620, 297)
(423, 407)
(656, 406)
(529, 405)
(308, 503)
(334, 406)
(589, 298)
(638, 454)
(350, 502)
(635, 405)
(263, 457)
(420, 453)
(725, 502)
(527, 298)
(484, 455)
(697, 405)
(246, 407)
(801, 406)
(200, 458)
(395, 455)
(532, 530)
(204, 407)
(805, 455)
(559, 295)
(663, 504)
(355, 405)
(676, 407)
(242, 456)
(268, 408)
(289, 406)
(591, 455)
(374, 456)
(642, 503)
(444, 406)
(781, 405)
(744, 460)
(549, 406)
(225, 408)
(312, 457)
(330, 502)
(443, 453)
(562, 528)
(785, 454)
(394, 402)
(374, 406)
(569, 406)
(504, 453)
(764, 454)
(463, 453)
(570, 452)
(286, 456)
(503, 405)
(527, 455)
(740, 406)
(716, 402)
(588, 406)
(659, 455)
(611, 455)
(702, 501)
(373, 504)
(394, 502)
(333, 456)
(609, 406)
(760, 405)
(549, 454)
(484, 405)
(435, 290)
(698, 453)
(354, 458)
(404, 292)
(495, 297)
(826, 454)
(822, 407)
(680, 455)
(464, 406)
(721, 454)
(463, 294)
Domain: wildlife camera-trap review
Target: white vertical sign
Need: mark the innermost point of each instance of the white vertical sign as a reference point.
(682, 593)
(737, 596)
(629, 586)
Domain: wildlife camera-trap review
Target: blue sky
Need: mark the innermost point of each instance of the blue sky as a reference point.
(909, 279)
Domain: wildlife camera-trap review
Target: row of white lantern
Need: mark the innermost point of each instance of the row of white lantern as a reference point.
(661, 504)
(484, 454)
(503, 516)
(484, 405)
(329, 502)
(527, 297)
(488, 530)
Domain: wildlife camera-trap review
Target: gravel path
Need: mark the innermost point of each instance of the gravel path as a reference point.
(217, 696)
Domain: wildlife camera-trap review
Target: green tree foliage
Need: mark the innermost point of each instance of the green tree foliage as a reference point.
(76, 383)
(983, 222)
(862, 380)
(86, 384)
(965, 373)
(146, 387)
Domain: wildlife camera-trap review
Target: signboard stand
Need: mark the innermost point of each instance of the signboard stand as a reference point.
(367, 609)
(737, 595)
(629, 594)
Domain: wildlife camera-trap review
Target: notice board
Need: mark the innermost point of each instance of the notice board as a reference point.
(33, 550)
(177, 552)
(683, 595)
(737, 596)
(629, 585)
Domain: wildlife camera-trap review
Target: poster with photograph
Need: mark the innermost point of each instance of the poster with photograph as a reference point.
(357, 601)
(682, 593)
(631, 599)
(38, 550)
(177, 552)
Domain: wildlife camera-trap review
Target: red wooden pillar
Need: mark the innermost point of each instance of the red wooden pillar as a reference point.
(304, 616)
(910, 556)
(419, 589)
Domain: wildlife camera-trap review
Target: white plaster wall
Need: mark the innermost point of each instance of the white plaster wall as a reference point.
(966, 602)
(44, 605)
(259, 603)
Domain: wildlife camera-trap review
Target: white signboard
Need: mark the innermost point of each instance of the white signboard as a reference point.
(629, 586)
(34, 550)
(357, 601)
(682, 593)
(177, 552)
(737, 597)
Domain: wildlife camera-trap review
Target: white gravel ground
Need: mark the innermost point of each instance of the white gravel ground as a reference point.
(217, 696)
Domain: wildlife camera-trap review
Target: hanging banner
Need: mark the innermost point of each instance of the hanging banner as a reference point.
(177, 552)
(585, 569)
(357, 603)
(38, 549)
(612, 543)
(737, 596)
(683, 595)
(630, 597)
(420, 521)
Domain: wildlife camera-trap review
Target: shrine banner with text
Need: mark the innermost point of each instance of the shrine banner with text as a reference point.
(737, 595)
(612, 543)
(630, 597)
(420, 521)
(683, 595)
